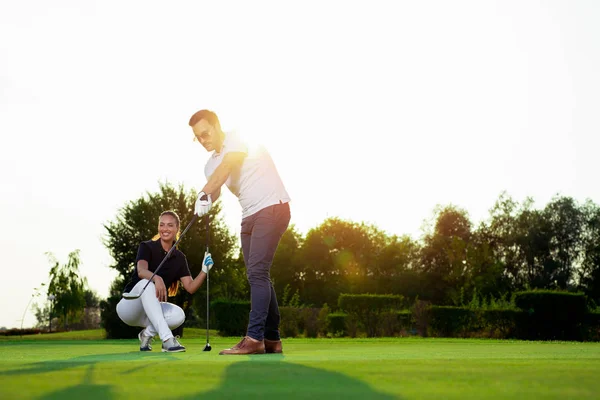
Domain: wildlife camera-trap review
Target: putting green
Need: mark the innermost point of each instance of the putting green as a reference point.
(406, 368)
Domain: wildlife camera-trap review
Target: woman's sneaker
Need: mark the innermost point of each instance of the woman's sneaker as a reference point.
(145, 341)
(172, 346)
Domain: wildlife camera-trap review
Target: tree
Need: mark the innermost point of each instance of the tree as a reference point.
(444, 255)
(91, 299)
(286, 268)
(395, 270)
(67, 287)
(566, 220)
(521, 240)
(338, 257)
(501, 234)
(589, 273)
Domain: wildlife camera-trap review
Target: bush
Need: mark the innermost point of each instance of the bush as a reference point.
(337, 324)
(592, 327)
(406, 322)
(366, 309)
(290, 320)
(310, 321)
(452, 321)
(389, 323)
(296, 320)
(322, 319)
(231, 316)
(501, 324)
(421, 315)
(552, 315)
(112, 324)
(18, 332)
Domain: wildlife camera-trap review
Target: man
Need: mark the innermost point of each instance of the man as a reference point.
(252, 177)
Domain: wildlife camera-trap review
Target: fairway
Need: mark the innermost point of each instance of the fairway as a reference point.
(405, 368)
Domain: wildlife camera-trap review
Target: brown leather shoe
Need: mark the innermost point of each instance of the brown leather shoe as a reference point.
(246, 346)
(273, 346)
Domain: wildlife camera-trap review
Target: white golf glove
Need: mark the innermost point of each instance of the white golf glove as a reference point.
(207, 263)
(203, 204)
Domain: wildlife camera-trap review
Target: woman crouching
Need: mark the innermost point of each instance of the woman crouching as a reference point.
(151, 310)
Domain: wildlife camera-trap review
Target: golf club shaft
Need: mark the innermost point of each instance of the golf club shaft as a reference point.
(207, 280)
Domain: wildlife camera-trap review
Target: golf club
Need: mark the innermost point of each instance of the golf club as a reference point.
(207, 347)
(133, 296)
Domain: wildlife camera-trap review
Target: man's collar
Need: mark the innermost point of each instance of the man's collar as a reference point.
(215, 154)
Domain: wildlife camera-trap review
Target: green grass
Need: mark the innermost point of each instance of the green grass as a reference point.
(93, 334)
(405, 368)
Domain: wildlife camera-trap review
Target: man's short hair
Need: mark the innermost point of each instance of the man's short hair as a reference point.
(208, 115)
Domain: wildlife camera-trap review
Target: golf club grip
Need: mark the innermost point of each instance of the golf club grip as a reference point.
(194, 218)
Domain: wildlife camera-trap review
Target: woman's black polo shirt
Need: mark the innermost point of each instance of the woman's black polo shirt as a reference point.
(172, 270)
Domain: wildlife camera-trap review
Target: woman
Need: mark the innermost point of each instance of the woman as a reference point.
(151, 310)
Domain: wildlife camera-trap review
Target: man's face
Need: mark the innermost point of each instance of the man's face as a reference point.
(206, 134)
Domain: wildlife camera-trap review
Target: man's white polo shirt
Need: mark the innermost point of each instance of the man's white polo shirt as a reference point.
(256, 183)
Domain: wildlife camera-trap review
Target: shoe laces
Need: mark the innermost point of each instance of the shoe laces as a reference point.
(146, 340)
(241, 343)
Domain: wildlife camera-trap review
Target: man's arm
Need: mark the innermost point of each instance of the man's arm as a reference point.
(219, 177)
(216, 195)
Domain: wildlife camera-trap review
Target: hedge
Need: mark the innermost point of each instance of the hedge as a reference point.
(452, 321)
(337, 324)
(367, 309)
(552, 315)
(231, 316)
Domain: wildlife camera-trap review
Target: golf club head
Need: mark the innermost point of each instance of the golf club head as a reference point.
(131, 296)
(207, 347)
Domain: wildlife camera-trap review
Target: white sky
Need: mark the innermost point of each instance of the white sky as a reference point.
(374, 111)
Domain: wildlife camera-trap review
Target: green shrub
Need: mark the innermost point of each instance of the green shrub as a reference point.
(389, 323)
(290, 321)
(452, 321)
(421, 313)
(406, 322)
(24, 331)
(231, 316)
(501, 324)
(322, 320)
(112, 324)
(351, 322)
(366, 309)
(337, 324)
(552, 315)
(310, 321)
(591, 329)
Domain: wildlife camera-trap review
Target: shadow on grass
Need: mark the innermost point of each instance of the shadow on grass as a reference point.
(275, 379)
(85, 390)
(90, 360)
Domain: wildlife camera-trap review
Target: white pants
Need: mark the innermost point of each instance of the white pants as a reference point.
(146, 311)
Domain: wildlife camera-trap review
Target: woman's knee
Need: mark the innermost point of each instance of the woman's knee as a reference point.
(174, 315)
(142, 283)
(129, 311)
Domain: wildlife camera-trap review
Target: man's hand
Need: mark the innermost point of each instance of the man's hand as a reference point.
(161, 289)
(203, 204)
(207, 263)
